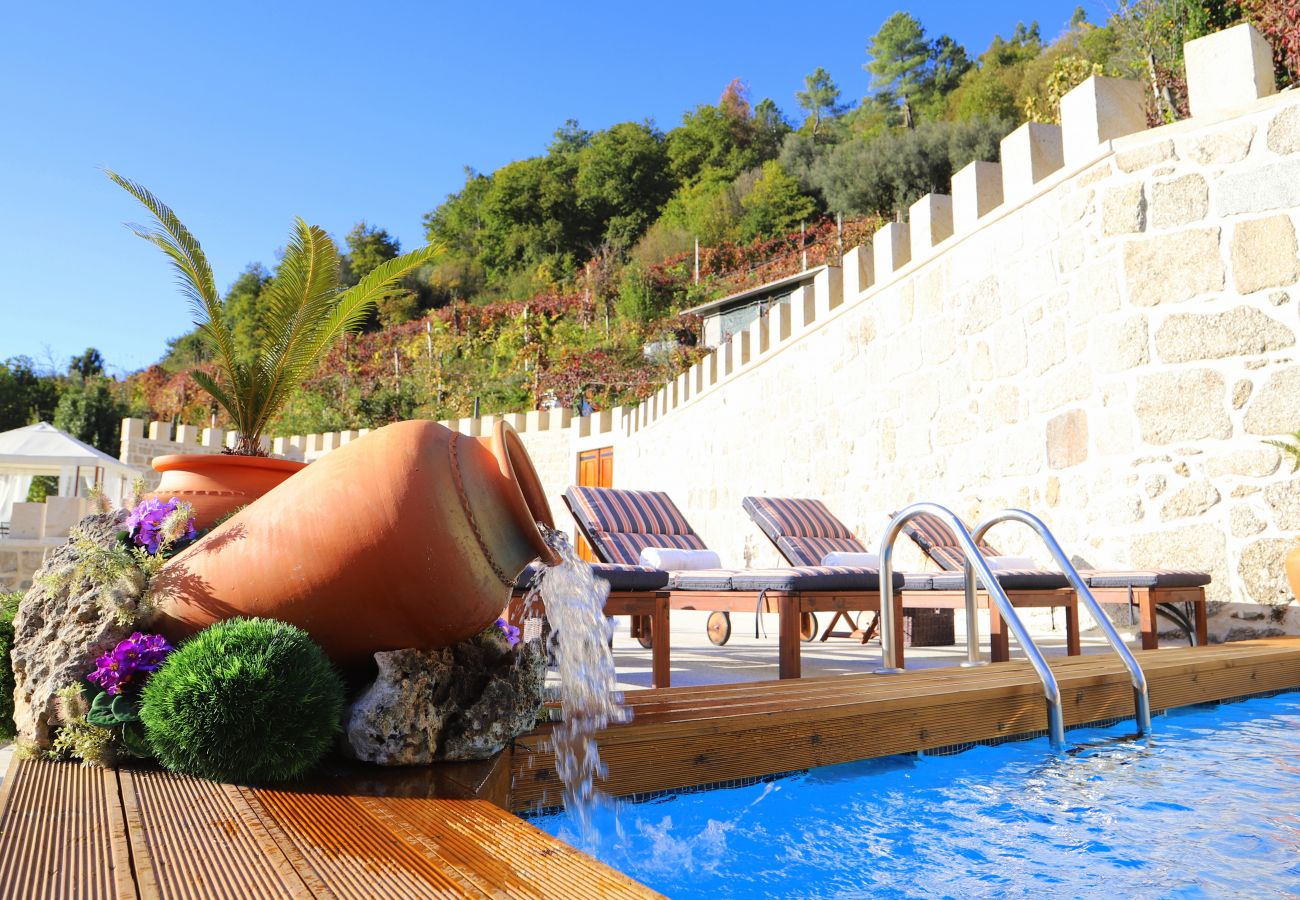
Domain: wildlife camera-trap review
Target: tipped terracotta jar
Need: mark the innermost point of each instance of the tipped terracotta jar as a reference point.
(217, 484)
(410, 537)
(1293, 569)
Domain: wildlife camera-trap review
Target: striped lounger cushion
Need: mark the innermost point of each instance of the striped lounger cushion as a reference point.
(620, 524)
(938, 542)
(620, 578)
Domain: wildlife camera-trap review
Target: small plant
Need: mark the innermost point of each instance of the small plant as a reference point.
(154, 533)
(246, 700)
(158, 526)
(306, 314)
(8, 609)
(129, 663)
(1291, 447)
(78, 738)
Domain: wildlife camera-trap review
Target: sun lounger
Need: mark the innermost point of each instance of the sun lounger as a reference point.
(636, 591)
(619, 524)
(1178, 594)
(804, 530)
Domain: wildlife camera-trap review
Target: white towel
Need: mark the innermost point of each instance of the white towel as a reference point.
(847, 558)
(672, 559)
(997, 563)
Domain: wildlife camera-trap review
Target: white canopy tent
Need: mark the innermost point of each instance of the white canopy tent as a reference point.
(42, 449)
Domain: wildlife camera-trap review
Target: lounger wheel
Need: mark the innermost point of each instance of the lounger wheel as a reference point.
(719, 628)
(644, 635)
(807, 626)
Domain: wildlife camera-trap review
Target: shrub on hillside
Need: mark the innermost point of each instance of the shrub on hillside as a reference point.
(246, 700)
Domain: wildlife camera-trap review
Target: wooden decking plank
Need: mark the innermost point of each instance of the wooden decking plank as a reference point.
(56, 833)
(200, 839)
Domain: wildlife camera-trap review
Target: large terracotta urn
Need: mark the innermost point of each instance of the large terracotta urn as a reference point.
(216, 484)
(410, 537)
(1293, 569)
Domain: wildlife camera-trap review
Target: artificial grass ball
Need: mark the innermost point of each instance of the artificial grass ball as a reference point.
(246, 700)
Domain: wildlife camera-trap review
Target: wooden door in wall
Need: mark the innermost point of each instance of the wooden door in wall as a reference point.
(595, 469)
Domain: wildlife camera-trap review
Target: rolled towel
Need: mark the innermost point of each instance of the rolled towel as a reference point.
(673, 559)
(998, 563)
(847, 558)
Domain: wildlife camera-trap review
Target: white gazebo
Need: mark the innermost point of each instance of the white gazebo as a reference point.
(42, 449)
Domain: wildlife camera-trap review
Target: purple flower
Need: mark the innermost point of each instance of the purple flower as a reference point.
(511, 631)
(138, 653)
(145, 524)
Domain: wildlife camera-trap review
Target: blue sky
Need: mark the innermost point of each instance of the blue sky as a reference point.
(243, 115)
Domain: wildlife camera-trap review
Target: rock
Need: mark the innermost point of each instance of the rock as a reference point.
(1173, 267)
(1273, 409)
(1124, 209)
(1241, 331)
(1252, 462)
(1259, 189)
(1067, 439)
(1284, 131)
(1180, 201)
(1244, 522)
(1144, 157)
(1190, 501)
(61, 628)
(1182, 406)
(463, 702)
(1264, 254)
(1284, 500)
(1262, 571)
(1229, 145)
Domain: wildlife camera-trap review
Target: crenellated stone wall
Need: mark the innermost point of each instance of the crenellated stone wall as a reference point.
(1102, 329)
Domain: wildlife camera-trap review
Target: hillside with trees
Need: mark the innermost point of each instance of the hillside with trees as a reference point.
(564, 276)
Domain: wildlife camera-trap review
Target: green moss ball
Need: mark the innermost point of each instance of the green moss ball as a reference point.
(244, 701)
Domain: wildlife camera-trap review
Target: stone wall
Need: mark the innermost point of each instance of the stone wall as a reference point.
(35, 529)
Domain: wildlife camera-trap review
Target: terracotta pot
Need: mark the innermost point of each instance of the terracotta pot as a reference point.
(218, 483)
(410, 537)
(1293, 569)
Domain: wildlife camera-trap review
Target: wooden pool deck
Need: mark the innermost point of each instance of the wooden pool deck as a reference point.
(73, 832)
(686, 737)
(68, 831)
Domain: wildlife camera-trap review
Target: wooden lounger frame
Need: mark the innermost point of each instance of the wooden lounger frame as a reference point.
(790, 606)
(647, 609)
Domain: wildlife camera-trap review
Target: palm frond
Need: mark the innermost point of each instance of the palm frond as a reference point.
(1291, 447)
(301, 297)
(357, 301)
(194, 273)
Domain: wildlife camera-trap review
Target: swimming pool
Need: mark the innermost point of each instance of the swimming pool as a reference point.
(1209, 808)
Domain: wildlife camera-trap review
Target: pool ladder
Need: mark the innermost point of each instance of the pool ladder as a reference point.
(977, 567)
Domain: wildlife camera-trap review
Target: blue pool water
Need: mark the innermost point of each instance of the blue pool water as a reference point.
(1209, 808)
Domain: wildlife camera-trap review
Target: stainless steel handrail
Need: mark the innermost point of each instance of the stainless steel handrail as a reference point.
(1056, 723)
(1141, 696)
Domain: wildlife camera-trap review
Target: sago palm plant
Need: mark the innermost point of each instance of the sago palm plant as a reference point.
(306, 310)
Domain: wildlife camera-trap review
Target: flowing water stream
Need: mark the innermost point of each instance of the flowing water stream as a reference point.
(580, 644)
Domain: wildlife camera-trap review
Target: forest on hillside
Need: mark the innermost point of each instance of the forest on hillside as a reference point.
(564, 275)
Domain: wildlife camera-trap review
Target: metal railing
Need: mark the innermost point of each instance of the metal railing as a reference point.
(975, 565)
(1141, 696)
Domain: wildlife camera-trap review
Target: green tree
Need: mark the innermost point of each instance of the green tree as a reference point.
(623, 181)
(900, 57)
(711, 143)
(368, 248)
(90, 410)
(917, 72)
(820, 98)
(26, 396)
(245, 310)
(770, 129)
(775, 206)
(87, 365)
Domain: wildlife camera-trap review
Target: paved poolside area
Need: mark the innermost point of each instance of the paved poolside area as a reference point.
(695, 661)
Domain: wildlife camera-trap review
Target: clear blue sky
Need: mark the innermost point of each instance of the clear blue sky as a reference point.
(243, 115)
